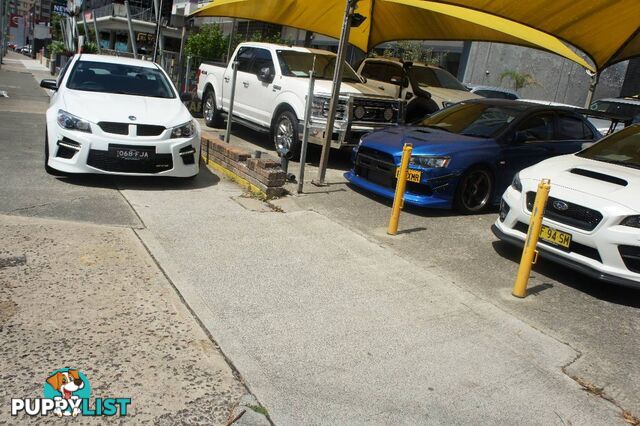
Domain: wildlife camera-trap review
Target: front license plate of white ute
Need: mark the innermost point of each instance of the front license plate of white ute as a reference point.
(133, 154)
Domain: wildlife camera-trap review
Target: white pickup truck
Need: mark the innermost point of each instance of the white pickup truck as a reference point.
(271, 88)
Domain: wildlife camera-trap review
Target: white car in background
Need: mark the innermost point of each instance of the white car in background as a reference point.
(112, 115)
(592, 219)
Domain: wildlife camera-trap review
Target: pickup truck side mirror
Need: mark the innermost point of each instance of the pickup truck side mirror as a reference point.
(265, 75)
(49, 84)
(400, 81)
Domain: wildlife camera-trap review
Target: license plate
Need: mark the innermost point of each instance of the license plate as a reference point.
(555, 237)
(412, 175)
(133, 154)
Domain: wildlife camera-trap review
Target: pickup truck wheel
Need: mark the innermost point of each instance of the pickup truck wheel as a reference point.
(285, 135)
(209, 112)
(474, 191)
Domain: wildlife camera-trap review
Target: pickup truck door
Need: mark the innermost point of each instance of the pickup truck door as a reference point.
(258, 97)
(244, 56)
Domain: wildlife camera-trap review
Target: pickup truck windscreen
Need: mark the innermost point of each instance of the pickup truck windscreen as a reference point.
(298, 64)
(434, 77)
(121, 79)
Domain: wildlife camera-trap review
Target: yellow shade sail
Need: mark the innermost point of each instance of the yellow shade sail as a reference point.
(390, 20)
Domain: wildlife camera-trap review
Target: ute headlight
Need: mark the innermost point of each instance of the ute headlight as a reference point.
(185, 130)
(631, 221)
(516, 184)
(71, 122)
(359, 112)
(429, 162)
(446, 104)
(388, 114)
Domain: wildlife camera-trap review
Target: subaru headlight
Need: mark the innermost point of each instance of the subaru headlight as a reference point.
(631, 221)
(185, 130)
(71, 122)
(429, 162)
(516, 184)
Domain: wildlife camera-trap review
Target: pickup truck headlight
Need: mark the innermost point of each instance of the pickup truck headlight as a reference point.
(516, 184)
(631, 221)
(320, 108)
(185, 130)
(71, 122)
(429, 162)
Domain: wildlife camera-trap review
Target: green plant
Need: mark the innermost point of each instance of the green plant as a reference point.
(208, 43)
(90, 47)
(57, 47)
(414, 51)
(520, 80)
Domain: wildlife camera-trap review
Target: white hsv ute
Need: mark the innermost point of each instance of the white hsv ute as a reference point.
(592, 219)
(111, 115)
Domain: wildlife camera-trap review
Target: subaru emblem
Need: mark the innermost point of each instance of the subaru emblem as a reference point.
(133, 118)
(560, 205)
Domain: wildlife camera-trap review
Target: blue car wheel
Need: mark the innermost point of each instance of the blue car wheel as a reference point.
(474, 191)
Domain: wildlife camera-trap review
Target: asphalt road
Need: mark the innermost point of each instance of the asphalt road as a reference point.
(600, 321)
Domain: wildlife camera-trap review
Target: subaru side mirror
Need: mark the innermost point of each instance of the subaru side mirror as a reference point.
(49, 84)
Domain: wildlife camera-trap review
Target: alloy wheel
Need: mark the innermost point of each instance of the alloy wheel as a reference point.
(476, 190)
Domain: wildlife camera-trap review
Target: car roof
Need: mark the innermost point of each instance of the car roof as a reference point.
(629, 101)
(289, 48)
(399, 61)
(116, 60)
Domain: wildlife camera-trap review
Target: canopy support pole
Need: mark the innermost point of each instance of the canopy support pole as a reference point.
(335, 94)
(592, 89)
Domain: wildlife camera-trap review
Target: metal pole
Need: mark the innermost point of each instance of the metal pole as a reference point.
(231, 37)
(132, 35)
(307, 123)
(227, 135)
(398, 199)
(157, 40)
(187, 74)
(86, 31)
(95, 29)
(529, 254)
(592, 88)
(181, 68)
(335, 95)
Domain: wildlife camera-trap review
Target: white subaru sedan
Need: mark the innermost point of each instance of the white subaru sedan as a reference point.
(112, 115)
(592, 220)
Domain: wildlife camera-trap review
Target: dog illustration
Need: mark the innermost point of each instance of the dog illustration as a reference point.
(66, 383)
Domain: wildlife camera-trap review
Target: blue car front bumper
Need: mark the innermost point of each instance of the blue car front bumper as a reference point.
(441, 198)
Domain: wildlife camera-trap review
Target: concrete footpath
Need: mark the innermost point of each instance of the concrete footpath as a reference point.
(328, 327)
(90, 297)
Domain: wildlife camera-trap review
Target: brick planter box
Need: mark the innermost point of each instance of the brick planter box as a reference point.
(262, 176)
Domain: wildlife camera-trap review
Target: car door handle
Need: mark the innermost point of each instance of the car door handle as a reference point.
(226, 79)
(381, 87)
(245, 83)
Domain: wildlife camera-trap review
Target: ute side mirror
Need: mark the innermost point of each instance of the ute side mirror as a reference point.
(265, 75)
(399, 81)
(49, 84)
(186, 97)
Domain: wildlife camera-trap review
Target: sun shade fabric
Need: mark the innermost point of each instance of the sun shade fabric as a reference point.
(389, 20)
(608, 31)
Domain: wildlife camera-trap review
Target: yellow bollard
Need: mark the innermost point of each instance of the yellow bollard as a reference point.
(529, 254)
(398, 200)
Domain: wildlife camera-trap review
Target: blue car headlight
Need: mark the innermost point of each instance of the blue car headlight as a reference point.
(71, 122)
(429, 162)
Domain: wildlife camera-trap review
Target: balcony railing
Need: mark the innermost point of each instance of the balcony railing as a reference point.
(119, 10)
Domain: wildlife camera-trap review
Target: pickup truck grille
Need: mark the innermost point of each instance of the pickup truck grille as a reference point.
(375, 111)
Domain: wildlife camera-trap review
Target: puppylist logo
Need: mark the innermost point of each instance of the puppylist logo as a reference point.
(66, 393)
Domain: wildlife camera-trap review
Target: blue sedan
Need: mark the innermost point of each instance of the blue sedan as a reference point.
(465, 156)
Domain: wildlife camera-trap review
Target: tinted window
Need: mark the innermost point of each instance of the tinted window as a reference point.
(298, 64)
(122, 79)
(436, 77)
(474, 119)
(573, 128)
(381, 72)
(261, 59)
(244, 56)
(619, 108)
(538, 128)
(621, 148)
